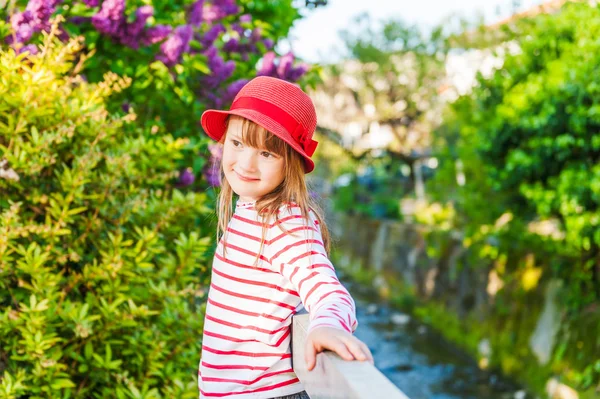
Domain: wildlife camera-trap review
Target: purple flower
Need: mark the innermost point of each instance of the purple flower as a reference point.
(245, 18)
(30, 47)
(195, 13)
(256, 34)
(268, 65)
(186, 177)
(212, 175)
(125, 107)
(219, 9)
(155, 34)
(78, 20)
(216, 151)
(110, 20)
(285, 63)
(134, 30)
(62, 34)
(41, 10)
(213, 33)
(35, 18)
(176, 45)
(283, 69)
(238, 28)
(296, 73)
(220, 70)
(232, 45)
(91, 3)
(234, 88)
(268, 43)
(211, 171)
(22, 26)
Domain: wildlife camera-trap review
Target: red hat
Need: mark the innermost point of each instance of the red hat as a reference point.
(279, 106)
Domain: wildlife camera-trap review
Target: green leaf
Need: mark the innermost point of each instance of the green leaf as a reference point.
(62, 383)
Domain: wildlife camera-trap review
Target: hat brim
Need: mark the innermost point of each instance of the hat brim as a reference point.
(213, 123)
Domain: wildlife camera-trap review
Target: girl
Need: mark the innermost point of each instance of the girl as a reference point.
(271, 260)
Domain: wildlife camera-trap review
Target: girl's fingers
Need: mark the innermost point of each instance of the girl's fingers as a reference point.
(310, 354)
(355, 347)
(339, 347)
(367, 351)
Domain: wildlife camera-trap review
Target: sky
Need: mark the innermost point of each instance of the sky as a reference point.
(315, 38)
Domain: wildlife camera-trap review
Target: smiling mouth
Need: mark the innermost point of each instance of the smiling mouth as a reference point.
(244, 178)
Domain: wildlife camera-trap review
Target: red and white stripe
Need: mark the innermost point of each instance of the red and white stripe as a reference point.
(246, 342)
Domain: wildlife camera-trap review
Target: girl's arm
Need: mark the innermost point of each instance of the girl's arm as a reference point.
(300, 256)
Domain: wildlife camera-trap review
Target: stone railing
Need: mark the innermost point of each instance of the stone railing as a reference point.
(334, 377)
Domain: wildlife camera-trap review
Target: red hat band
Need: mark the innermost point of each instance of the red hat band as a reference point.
(294, 128)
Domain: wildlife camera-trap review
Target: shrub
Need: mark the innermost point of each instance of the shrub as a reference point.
(102, 260)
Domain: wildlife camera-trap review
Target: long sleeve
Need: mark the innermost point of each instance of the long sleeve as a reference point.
(300, 256)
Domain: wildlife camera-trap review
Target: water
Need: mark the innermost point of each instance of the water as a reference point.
(419, 360)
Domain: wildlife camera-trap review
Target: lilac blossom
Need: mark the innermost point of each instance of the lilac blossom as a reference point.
(134, 31)
(239, 29)
(195, 13)
(41, 11)
(156, 34)
(78, 20)
(91, 3)
(268, 67)
(22, 25)
(268, 43)
(218, 97)
(177, 44)
(219, 9)
(285, 63)
(141, 16)
(213, 33)
(30, 47)
(110, 20)
(245, 18)
(35, 18)
(284, 69)
(232, 45)
(186, 178)
(245, 42)
(220, 69)
(211, 171)
(234, 88)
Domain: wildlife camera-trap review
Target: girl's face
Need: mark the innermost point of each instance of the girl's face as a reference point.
(251, 172)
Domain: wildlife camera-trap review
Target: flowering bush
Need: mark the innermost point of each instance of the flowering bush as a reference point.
(102, 262)
(182, 57)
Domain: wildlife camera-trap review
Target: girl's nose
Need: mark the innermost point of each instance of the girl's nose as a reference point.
(247, 160)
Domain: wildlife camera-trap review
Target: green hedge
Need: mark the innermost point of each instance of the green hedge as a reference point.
(102, 262)
(528, 137)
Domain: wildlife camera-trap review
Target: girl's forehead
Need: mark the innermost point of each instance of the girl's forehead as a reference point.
(235, 125)
(254, 135)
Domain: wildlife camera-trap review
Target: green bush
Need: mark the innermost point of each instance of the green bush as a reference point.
(528, 139)
(530, 135)
(102, 262)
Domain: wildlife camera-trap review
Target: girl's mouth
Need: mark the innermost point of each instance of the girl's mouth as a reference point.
(244, 178)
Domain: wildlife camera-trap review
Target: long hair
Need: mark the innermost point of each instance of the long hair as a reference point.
(293, 188)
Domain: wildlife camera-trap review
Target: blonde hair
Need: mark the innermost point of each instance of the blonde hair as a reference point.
(293, 188)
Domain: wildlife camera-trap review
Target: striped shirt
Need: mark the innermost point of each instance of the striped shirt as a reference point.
(246, 343)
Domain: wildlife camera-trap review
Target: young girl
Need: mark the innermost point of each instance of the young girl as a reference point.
(271, 260)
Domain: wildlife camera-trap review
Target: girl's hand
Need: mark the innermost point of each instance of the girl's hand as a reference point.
(346, 345)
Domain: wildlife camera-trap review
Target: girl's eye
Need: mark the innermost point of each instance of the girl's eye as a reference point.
(236, 143)
(267, 154)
